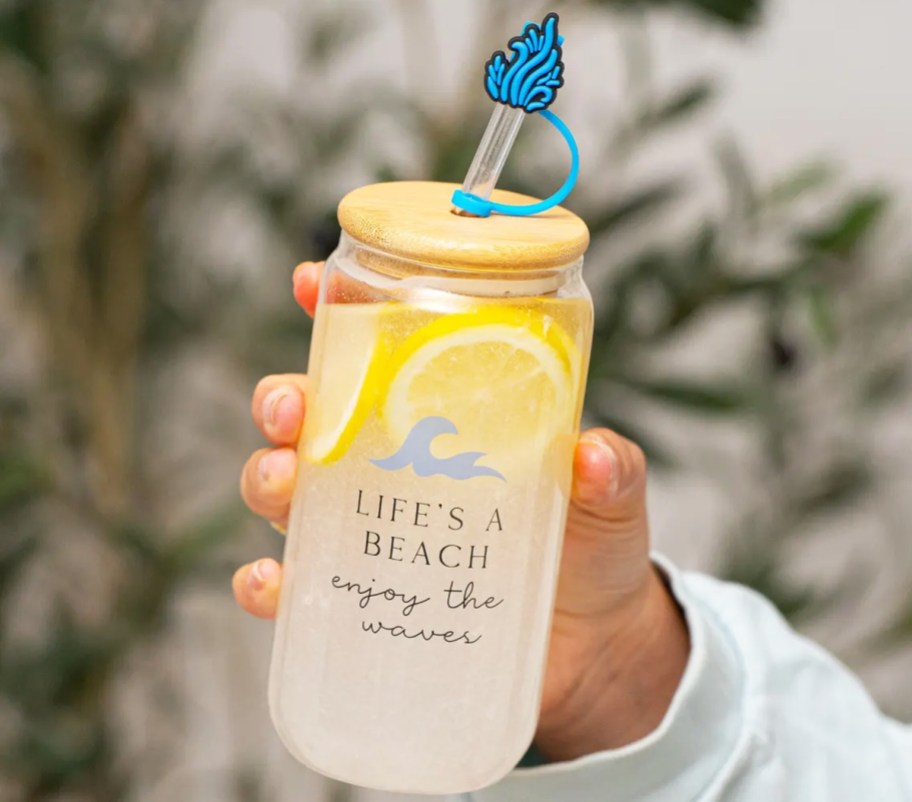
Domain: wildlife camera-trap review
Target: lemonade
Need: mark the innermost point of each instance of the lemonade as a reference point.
(506, 374)
(433, 570)
(425, 532)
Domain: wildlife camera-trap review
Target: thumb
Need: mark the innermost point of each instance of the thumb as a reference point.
(605, 563)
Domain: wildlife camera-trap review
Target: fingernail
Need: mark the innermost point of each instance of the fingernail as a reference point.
(611, 458)
(261, 574)
(614, 474)
(276, 466)
(282, 530)
(301, 269)
(270, 405)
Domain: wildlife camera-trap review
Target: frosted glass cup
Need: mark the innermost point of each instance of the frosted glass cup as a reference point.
(447, 370)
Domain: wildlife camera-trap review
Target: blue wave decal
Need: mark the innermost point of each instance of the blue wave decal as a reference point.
(530, 78)
(416, 451)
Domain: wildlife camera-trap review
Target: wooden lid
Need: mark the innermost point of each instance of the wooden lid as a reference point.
(412, 220)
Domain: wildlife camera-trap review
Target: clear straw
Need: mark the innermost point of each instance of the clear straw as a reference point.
(492, 152)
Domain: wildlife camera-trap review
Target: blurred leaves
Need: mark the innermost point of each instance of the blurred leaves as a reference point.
(823, 315)
(49, 684)
(327, 35)
(639, 205)
(14, 554)
(89, 162)
(841, 485)
(20, 30)
(795, 186)
(740, 14)
(739, 183)
(750, 562)
(798, 271)
(886, 384)
(706, 398)
(22, 479)
(678, 107)
(849, 228)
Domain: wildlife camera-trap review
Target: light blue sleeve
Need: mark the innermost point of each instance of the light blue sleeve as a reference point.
(761, 715)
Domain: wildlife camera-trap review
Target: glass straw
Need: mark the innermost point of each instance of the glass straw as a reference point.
(492, 152)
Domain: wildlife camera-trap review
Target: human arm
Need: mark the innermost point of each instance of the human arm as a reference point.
(761, 715)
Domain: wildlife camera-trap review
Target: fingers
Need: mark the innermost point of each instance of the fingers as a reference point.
(256, 587)
(267, 482)
(268, 478)
(609, 488)
(278, 407)
(606, 548)
(306, 282)
(608, 470)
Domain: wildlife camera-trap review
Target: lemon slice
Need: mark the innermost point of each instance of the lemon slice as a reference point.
(503, 376)
(347, 387)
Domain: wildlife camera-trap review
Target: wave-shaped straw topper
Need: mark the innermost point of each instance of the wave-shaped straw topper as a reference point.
(530, 78)
(524, 83)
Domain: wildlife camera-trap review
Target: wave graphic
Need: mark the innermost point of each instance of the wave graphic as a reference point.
(530, 78)
(416, 451)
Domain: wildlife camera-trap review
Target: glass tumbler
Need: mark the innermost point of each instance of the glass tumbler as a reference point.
(447, 369)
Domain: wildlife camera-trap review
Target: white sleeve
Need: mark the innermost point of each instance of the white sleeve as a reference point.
(761, 715)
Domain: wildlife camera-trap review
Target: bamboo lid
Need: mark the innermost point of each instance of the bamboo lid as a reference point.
(412, 220)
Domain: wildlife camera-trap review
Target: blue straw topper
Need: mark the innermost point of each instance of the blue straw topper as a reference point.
(527, 82)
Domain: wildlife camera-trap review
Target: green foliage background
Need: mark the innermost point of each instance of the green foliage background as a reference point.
(105, 212)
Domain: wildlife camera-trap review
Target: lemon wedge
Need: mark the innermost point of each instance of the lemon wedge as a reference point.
(347, 387)
(504, 376)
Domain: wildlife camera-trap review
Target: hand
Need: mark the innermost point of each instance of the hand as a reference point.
(619, 644)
